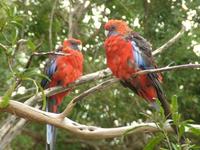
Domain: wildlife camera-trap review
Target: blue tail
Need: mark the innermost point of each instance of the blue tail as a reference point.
(51, 130)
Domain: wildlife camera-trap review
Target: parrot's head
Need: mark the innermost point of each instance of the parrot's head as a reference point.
(72, 43)
(114, 27)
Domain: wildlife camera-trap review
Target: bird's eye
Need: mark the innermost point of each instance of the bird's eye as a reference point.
(112, 28)
(72, 43)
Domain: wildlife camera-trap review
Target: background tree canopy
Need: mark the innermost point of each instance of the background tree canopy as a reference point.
(28, 26)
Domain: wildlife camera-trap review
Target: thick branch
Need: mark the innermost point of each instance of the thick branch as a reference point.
(83, 131)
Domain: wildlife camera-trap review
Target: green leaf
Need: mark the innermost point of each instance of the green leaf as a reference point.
(153, 142)
(10, 33)
(181, 129)
(31, 45)
(32, 72)
(195, 131)
(5, 99)
(174, 103)
(175, 115)
(44, 101)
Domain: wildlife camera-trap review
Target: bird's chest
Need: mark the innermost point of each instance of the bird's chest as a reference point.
(119, 56)
(68, 69)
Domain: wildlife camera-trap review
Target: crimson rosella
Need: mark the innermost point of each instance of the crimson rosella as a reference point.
(127, 53)
(62, 70)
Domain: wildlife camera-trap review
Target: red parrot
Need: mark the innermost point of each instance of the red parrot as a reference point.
(127, 53)
(62, 70)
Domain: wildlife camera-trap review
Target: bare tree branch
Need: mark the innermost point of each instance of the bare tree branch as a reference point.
(51, 23)
(75, 100)
(104, 84)
(43, 54)
(19, 43)
(52, 91)
(18, 81)
(70, 23)
(83, 131)
(164, 69)
(77, 10)
(170, 42)
(3, 47)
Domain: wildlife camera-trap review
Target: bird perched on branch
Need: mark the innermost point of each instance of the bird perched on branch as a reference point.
(127, 53)
(62, 70)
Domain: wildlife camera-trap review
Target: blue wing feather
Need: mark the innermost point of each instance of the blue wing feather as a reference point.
(50, 69)
(140, 58)
(137, 55)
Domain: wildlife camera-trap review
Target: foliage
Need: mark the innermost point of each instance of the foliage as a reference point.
(156, 20)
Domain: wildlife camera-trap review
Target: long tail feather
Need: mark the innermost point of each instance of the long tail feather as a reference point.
(50, 137)
(51, 130)
(162, 98)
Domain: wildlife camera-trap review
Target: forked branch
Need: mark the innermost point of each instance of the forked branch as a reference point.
(83, 131)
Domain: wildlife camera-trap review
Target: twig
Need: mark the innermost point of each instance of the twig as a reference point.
(52, 91)
(70, 24)
(99, 75)
(18, 81)
(186, 66)
(3, 47)
(170, 42)
(104, 84)
(83, 131)
(76, 10)
(51, 23)
(19, 42)
(43, 54)
(75, 100)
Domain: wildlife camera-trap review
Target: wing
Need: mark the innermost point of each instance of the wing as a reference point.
(143, 59)
(144, 45)
(141, 51)
(49, 70)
